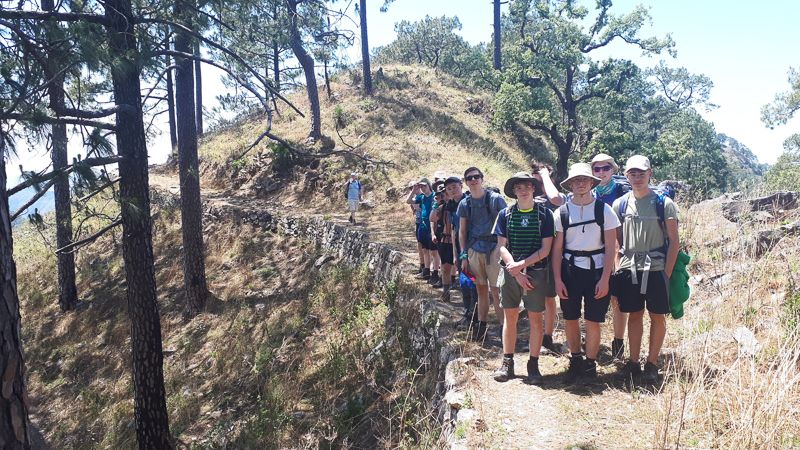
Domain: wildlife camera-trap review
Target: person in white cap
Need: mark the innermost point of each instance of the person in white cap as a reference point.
(609, 190)
(648, 240)
(583, 260)
(353, 191)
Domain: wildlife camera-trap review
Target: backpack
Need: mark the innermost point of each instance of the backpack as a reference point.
(662, 192)
(347, 188)
(623, 183)
(599, 219)
(540, 210)
(487, 201)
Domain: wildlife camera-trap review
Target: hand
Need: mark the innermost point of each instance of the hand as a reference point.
(524, 280)
(514, 268)
(601, 289)
(561, 289)
(544, 173)
(465, 265)
(433, 238)
(669, 273)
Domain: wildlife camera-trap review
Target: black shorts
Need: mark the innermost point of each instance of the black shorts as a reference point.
(424, 238)
(416, 231)
(446, 253)
(630, 298)
(580, 284)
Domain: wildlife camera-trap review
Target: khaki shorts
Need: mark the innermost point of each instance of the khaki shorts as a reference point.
(485, 274)
(354, 204)
(511, 293)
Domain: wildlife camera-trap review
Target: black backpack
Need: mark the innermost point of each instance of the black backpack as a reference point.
(599, 219)
(347, 189)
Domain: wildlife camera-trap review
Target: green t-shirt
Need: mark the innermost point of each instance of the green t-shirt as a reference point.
(644, 235)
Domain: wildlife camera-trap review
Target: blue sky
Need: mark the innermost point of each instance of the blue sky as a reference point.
(745, 48)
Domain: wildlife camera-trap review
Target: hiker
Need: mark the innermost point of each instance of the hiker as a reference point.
(479, 253)
(465, 281)
(441, 237)
(354, 197)
(422, 195)
(445, 238)
(552, 199)
(609, 190)
(417, 211)
(583, 260)
(649, 244)
(524, 236)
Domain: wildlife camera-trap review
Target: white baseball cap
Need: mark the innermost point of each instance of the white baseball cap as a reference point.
(637, 162)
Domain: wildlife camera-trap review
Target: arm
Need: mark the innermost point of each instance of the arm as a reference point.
(674, 245)
(558, 254)
(434, 216)
(610, 236)
(360, 195)
(414, 192)
(532, 259)
(619, 247)
(462, 239)
(550, 189)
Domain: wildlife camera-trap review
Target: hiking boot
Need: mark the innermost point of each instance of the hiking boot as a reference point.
(574, 371)
(445, 297)
(547, 343)
(506, 370)
(479, 332)
(589, 373)
(454, 286)
(426, 274)
(350, 219)
(650, 373)
(534, 376)
(618, 350)
(436, 281)
(630, 370)
(464, 324)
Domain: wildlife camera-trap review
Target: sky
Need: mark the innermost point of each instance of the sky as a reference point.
(746, 48)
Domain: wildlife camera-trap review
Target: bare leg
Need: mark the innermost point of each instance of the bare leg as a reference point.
(483, 301)
(550, 315)
(446, 277)
(620, 320)
(592, 339)
(658, 329)
(436, 259)
(573, 329)
(427, 256)
(537, 332)
(635, 331)
(510, 330)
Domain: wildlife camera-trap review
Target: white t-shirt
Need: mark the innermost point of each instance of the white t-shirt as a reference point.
(585, 237)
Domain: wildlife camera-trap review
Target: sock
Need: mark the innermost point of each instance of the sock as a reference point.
(534, 360)
(508, 355)
(482, 324)
(619, 341)
(576, 356)
(445, 288)
(435, 273)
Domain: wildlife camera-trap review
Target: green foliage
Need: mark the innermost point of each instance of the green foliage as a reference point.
(785, 173)
(282, 157)
(784, 109)
(240, 163)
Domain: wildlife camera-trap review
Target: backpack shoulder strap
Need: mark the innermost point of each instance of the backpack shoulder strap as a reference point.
(600, 218)
(563, 211)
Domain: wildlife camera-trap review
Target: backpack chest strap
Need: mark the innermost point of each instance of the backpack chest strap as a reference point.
(648, 260)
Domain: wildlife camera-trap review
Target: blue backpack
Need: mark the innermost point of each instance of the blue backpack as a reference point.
(662, 192)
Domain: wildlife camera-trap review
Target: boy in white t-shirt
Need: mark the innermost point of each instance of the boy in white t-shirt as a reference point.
(583, 261)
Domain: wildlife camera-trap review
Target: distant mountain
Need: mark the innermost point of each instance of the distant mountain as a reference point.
(45, 204)
(745, 168)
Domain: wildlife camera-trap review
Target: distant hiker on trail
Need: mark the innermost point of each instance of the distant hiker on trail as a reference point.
(444, 247)
(422, 195)
(552, 199)
(443, 233)
(583, 260)
(608, 191)
(524, 236)
(353, 191)
(649, 248)
(479, 252)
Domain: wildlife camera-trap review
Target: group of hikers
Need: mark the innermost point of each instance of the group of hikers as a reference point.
(549, 244)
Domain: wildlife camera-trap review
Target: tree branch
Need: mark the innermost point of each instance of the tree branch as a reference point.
(98, 190)
(33, 199)
(81, 114)
(72, 247)
(55, 120)
(91, 162)
(18, 14)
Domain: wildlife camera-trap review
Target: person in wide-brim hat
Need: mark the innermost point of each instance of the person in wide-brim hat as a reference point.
(508, 189)
(580, 170)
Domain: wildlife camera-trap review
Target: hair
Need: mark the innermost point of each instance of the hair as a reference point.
(472, 169)
(536, 166)
(532, 182)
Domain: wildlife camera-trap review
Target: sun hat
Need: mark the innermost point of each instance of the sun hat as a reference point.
(439, 175)
(508, 189)
(602, 157)
(438, 186)
(637, 162)
(424, 180)
(353, 174)
(580, 170)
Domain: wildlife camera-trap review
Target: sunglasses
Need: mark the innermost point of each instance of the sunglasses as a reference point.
(602, 168)
(473, 177)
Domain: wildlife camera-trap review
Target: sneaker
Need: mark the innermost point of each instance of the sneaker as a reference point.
(445, 297)
(574, 372)
(589, 373)
(547, 343)
(617, 350)
(506, 370)
(650, 373)
(534, 376)
(479, 332)
(629, 370)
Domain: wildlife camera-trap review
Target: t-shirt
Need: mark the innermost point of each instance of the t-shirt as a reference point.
(482, 222)
(586, 237)
(425, 203)
(353, 190)
(644, 235)
(524, 229)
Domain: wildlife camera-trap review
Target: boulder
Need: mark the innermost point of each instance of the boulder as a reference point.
(774, 204)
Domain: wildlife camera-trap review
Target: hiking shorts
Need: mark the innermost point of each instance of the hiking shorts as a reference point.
(485, 274)
(512, 294)
(446, 253)
(580, 284)
(424, 238)
(354, 204)
(550, 283)
(631, 300)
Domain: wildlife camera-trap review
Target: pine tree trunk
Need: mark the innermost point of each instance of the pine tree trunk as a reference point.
(307, 63)
(276, 65)
(67, 290)
(497, 63)
(173, 132)
(14, 423)
(198, 84)
(194, 276)
(362, 11)
(150, 406)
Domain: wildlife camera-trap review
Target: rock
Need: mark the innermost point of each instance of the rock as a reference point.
(465, 415)
(275, 186)
(737, 210)
(679, 187)
(369, 204)
(748, 344)
(260, 307)
(322, 260)
(455, 399)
